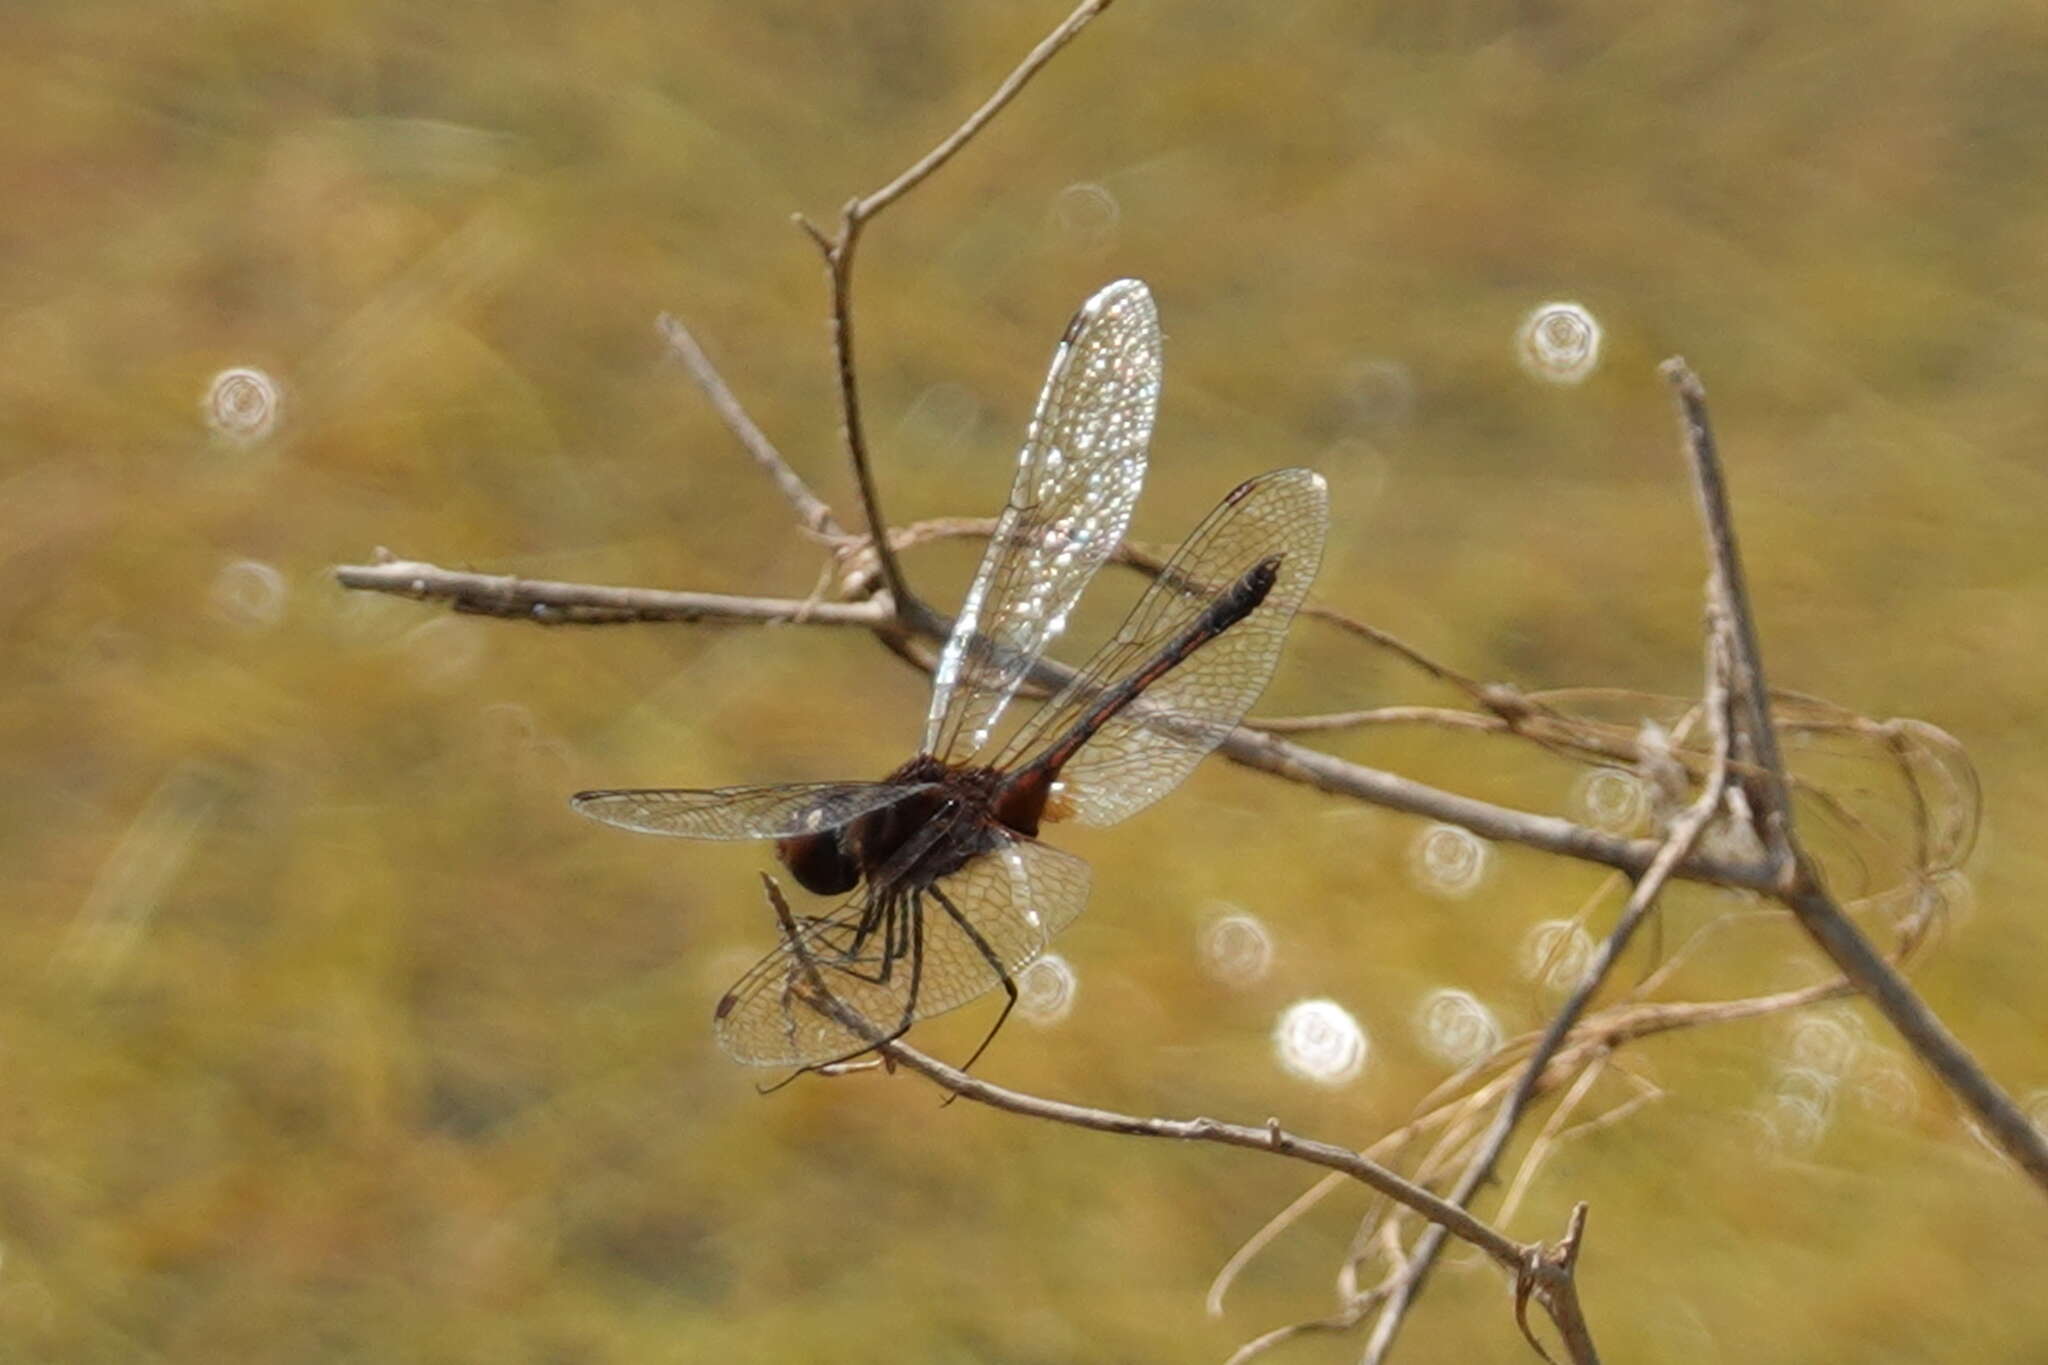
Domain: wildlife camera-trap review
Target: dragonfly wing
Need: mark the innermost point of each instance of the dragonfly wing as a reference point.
(890, 957)
(1146, 750)
(1009, 904)
(783, 811)
(1078, 477)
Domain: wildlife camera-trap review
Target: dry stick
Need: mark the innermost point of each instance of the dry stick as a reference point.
(1554, 1124)
(811, 510)
(1443, 717)
(1678, 844)
(1547, 832)
(546, 602)
(1800, 887)
(838, 252)
(1755, 738)
(1604, 1033)
(1545, 1273)
(549, 603)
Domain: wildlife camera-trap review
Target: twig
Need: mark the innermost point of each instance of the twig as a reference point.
(1551, 1274)
(1756, 740)
(1538, 1270)
(1599, 1035)
(1261, 1137)
(549, 603)
(1442, 717)
(811, 510)
(838, 252)
(1502, 823)
(554, 603)
(1678, 845)
(1048, 48)
(1800, 886)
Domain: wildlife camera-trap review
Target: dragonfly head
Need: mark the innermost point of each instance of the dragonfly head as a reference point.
(820, 862)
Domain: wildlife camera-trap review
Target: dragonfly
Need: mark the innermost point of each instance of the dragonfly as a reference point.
(952, 891)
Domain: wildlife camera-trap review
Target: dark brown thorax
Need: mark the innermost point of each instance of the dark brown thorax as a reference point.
(833, 861)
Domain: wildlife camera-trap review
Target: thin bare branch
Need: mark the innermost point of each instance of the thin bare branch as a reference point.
(838, 253)
(1756, 740)
(1048, 47)
(1552, 1276)
(1535, 1267)
(1442, 717)
(1546, 832)
(556, 603)
(1266, 1137)
(1677, 846)
(1930, 1039)
(1801, 887)
(811, 511)
(550, 603)
(1262, 1137)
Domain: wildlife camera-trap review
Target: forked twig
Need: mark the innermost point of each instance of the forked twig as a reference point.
(838, 252)
(1800, 887)
(1678, 844)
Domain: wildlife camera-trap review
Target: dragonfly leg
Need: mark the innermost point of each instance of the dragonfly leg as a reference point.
(996, 963)
(806, 983)
(914, 912)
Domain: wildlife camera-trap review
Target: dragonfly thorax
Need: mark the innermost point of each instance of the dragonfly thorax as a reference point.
(929, 834)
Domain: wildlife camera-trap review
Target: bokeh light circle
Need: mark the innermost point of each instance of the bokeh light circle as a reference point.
(1449, 861)
(1046, 990)
(249, 593)
(242, 404)
(1235, 948)
(1559, 342)
(1456, 1027)
(1320, 1041)
(1555, 953)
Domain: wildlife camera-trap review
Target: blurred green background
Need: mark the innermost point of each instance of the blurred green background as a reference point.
(327, 1033)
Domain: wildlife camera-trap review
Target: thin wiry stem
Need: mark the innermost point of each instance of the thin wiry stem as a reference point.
(1678, 844)
(549, 603)
(811, 510)
(1756, 739)
(838, 252)
(1800, 887)
(1048, 47)
(1544, 1273)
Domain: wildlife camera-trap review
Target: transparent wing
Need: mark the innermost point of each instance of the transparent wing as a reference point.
(893, 957)
(1146, 750)
(782, 811)
(1077, 479)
